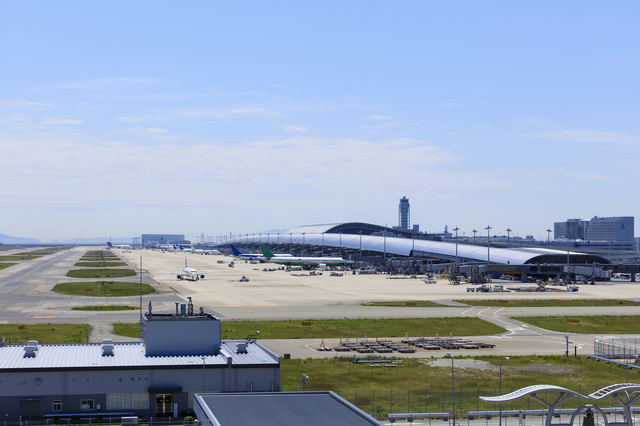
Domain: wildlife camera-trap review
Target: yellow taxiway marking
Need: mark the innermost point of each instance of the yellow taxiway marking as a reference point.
(246, 306)
(45, 316)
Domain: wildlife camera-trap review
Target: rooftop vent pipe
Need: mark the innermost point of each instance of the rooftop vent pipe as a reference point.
(29, 351)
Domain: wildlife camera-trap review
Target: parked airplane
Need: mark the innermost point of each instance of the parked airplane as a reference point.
(200, 251)
(320, 262)
(120, 246)
(190, 273)
(239, 254)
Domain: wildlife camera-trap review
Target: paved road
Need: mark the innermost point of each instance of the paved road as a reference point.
(26, 296)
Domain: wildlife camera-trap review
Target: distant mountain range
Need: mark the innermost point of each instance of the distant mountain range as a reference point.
(7, 239)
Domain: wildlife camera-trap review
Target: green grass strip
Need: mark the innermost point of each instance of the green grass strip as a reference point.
(407, 303)
(14, 257)
(106, 308)
(355, 328)
(127, 329)
(549, 302)
(95, 289)
(45, 333)
(100, 264)
(6, 265)
(106, 273)
(607, 324)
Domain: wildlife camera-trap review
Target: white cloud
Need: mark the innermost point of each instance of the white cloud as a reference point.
(293, 127)
(587, 136)
(255, 111)
(131, 119)
(379, 118)
(22, 103)
(151, 130)
(62, 121)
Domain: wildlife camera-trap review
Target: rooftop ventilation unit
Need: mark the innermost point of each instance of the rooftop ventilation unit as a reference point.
(107, 347)
(107, 350)
(242, 348)
(33, 343)
(30, 351)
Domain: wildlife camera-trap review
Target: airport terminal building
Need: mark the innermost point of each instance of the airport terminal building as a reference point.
(180, 354)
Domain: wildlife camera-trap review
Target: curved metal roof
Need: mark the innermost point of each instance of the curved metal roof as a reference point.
(528, 391)
(612, 389)
(317, 235)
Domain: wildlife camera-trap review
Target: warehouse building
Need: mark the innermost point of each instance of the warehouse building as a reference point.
(180, 354)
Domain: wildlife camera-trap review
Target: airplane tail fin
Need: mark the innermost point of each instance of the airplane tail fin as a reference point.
(265, 251)
(235, 250)
(181, 248)
(109, 244)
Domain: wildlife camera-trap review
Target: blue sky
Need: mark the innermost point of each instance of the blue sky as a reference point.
(121, 118)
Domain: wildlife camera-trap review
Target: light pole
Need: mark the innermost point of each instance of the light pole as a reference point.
(290, 244)
(303, 248)
(278, 241)
(507, 358)
(548, 236)
(568, 228)
(568, 341)
(453, 391)
(305, 379)
(204, 375)
(609, 229)
(488, 228)
(456, 229)
(360, 232)
(340, 243)
(474, 236)
(508, 236)
(632, 357)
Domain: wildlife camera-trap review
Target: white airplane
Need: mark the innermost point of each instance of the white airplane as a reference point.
(190, 273)
(237, 253)
(321, 262)
(199, 251)
(120, 246)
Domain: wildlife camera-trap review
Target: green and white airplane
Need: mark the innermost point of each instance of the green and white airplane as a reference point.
(320, 262)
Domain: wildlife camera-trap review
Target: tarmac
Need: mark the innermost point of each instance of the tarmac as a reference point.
(26, 296)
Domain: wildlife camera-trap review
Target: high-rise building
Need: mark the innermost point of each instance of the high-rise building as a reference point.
(613, 229)
(403, 214)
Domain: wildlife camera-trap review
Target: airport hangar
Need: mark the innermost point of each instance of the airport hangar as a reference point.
(372, 243)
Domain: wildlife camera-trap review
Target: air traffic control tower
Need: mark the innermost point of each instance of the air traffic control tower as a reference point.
(403, 214)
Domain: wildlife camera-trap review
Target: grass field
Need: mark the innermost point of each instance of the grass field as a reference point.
(97, 264)
(45, 333)
(106, 273)
(19, 256)
(623, 324)
(423, 379)
(95, 289)
(549, 302)
(127, 329)
(408, 303)
(6, 265)
(359, 327)
(106, 308)
(356, 328)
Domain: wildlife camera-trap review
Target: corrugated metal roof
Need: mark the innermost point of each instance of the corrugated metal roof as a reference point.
(89, 355)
